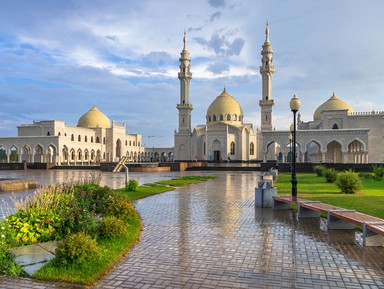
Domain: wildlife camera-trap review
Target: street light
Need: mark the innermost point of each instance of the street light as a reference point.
(290, 151)
(294, 104)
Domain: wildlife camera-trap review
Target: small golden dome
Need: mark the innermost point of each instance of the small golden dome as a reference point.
(226, 106)
(334, 103)
(94, 118)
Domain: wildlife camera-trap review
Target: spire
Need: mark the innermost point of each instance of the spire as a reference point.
(185, 40)
(267, 32)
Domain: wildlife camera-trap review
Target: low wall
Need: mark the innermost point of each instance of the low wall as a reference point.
(13, 166)
(308, 167)
(15, 185)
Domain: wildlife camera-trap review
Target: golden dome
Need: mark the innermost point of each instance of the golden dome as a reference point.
(334, 103)
(226, 106)
(94, 118)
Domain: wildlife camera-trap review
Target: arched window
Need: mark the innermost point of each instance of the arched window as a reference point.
(138, 143)
(85, 139)
(235, 117)
(228, 117)
(65, 134)
(214, 117)
(209, 118)
(59, 134)
(130, 143)
(72, 137)
(48, 133)
(126, 142)
(335, 126)
(204, 148)
(252, 149)
(97, 140)
(103, 140)
(91, 138)
(221, 117)
(232, 148)
(79, 138)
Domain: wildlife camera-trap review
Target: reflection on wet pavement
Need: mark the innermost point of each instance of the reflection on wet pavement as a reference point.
(210, 235)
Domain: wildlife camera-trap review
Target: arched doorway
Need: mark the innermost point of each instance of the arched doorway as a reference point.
(216, 151)
(118, 149)
(313, 152)
(334, 154)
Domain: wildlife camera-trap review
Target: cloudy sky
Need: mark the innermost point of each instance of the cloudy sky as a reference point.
(59, 58)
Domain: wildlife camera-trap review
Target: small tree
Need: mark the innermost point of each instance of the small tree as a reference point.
(330, 175)
(348, 182)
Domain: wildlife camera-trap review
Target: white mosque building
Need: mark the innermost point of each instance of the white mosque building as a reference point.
(95, 139)
(337, 134)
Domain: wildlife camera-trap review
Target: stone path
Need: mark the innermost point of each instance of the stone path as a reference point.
(211, 236)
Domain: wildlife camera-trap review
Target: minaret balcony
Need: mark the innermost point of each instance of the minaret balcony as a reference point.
(184, 106)
(266, 103)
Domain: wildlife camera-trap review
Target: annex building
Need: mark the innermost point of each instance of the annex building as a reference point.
(337, 134)
(95, 139)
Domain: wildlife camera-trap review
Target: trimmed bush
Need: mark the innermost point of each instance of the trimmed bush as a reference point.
(120, 208)
(365, 175)
(319, 170)
(111, 227)
(76, 249)
(378, 173)
(348, 182)
(330, 175)
(132, 185)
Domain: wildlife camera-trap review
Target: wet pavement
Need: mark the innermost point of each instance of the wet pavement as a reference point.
(210, 235)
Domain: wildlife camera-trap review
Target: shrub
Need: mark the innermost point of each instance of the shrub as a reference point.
(34, 225)
(76, 249)
(120, 208)
(378, 173)
(348, 182)
(319, 170)
(111, 227)
(365, 175)
(330, 175)
(132, 185)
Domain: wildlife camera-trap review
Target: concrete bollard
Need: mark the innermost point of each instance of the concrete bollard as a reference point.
(264, 195)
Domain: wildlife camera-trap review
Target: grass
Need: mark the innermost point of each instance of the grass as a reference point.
(113, 250)
(90, 272)
(370, 200)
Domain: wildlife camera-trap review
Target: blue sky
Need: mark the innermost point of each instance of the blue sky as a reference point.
(59, 58)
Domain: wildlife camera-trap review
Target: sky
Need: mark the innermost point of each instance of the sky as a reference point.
(59, 58)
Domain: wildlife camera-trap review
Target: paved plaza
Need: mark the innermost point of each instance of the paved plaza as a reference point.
(210, 235)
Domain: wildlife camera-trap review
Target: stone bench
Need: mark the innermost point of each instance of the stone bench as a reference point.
(337, 217)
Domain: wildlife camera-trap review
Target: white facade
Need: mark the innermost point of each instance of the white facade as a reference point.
(56, 142)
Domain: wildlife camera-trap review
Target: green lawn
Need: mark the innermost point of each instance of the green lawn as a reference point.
(113, 250)
(370, 200)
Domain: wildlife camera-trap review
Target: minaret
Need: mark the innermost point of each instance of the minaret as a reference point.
(266, 70)
(183, 136)
(185, 77)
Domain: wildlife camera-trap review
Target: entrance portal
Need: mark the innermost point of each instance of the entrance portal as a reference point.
(216, 156)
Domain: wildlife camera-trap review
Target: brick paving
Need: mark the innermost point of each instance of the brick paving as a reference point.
(210, 235)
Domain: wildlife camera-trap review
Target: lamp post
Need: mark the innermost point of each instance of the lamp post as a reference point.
(290, 151)
(294, 104)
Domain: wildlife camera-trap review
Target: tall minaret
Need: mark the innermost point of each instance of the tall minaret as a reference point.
(266, 70)
(185, 77)
(183, 136)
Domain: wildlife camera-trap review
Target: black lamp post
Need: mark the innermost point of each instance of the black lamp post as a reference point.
(290, 151)
(294, 104)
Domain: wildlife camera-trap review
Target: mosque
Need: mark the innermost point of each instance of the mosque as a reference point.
(95, 139)
(337, 134)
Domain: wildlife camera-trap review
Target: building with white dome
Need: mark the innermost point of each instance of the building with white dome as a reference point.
(95, 139)
(337, 133)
